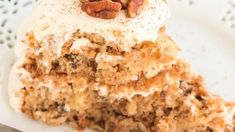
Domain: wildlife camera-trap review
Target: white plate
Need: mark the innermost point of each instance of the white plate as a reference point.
(203, 29)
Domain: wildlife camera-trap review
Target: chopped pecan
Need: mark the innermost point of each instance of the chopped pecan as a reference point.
(102, 9)
(133, 7)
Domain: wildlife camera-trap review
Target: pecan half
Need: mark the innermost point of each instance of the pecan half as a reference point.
(102, 9)
(133, 7)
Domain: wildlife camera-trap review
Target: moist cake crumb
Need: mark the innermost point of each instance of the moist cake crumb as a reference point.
(181, 104)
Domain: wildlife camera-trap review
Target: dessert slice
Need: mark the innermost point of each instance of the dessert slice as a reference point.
(93, 64)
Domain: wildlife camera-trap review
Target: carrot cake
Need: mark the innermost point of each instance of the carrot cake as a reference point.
(110, 66)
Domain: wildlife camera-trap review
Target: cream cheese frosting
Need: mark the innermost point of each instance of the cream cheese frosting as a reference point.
(62, 18)
(15, 84)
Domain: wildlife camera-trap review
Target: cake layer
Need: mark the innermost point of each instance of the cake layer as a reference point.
(98, 59)
(178, 101)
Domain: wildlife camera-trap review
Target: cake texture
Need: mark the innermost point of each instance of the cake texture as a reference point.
(111, 67)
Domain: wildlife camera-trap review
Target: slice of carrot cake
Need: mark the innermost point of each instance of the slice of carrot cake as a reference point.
(108, 65)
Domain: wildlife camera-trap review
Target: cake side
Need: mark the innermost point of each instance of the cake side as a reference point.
(99, 60)
(179, 102)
